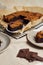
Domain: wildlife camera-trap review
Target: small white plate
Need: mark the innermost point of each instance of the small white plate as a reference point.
(31, 37)
(5, 41)
(12, 31)
(17, 31)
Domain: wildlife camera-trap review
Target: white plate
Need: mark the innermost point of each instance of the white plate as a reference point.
(31, 37)
(11, 31)
(5, 41)
(18, 31)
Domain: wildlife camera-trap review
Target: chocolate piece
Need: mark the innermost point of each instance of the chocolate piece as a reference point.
(29, 55)
(11, 18)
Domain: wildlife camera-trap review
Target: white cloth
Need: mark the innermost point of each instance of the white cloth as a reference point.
(9, 56)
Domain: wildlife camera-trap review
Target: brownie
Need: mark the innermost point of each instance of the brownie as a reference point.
(16, 25)
(39, 37)
(21, 15)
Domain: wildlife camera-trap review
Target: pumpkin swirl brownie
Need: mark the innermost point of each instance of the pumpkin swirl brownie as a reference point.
(39, 37)
(24, 14)
(16, 25)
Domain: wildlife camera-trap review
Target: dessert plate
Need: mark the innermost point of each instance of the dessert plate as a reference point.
(31, 37)
(18, 31)
(5, 41)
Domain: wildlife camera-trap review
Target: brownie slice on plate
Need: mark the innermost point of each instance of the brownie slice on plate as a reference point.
(16, 25)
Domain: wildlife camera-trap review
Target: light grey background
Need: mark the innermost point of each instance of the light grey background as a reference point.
(11, 3)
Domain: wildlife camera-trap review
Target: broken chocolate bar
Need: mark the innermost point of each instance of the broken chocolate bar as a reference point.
(29, 55)
(16, 25)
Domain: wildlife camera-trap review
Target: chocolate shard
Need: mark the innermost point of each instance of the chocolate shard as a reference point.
(39, 37)
(16, 25)
(11, 17)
